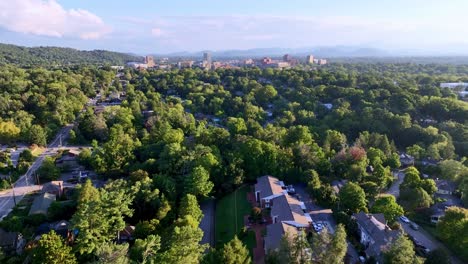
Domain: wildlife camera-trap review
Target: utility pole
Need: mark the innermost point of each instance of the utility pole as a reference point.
(13, 188)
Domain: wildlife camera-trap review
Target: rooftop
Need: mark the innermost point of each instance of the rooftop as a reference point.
(41, 203)
(268, 186)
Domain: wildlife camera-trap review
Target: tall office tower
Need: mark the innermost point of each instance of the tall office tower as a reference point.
(310, 59)
(207, 57)
(287, 57)
(149, 61)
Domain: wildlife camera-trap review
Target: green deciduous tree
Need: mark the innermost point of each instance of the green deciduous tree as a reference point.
(9, 132)
(438, 256)
(451, 227)
(352, 198)
(189, 206)
(52, 250)
(412, 199)
(388, 206)
(184, 246)
(401, 251)
(198, 182)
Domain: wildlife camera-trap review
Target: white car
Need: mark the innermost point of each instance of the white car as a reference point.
(404, 219)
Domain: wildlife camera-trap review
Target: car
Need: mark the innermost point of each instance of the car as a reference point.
(414, 226)
(422, 250)
(404, 219)
(317, 227)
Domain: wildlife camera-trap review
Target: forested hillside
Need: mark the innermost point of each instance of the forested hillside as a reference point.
(55, 56)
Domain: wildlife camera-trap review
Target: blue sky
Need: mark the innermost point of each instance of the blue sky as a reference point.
(152, 26)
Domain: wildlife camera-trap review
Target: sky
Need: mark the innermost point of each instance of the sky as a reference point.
(165, 26)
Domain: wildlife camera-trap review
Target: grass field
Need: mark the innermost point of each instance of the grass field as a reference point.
(230, 212)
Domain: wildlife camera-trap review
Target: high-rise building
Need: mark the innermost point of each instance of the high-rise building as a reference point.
(149, 61)
(322, 62)
(310, 59)
(207, 60)
(287, 57)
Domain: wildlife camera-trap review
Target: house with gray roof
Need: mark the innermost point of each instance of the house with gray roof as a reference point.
(42, 203)
(375, 234)
(11, 241)
(267, 188)
(287, 212)
(445, 187)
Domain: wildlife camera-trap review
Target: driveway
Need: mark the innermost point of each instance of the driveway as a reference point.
(319, 214)
(395, 188)
(207, 223)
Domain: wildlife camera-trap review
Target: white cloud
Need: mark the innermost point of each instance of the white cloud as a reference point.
(49, 18)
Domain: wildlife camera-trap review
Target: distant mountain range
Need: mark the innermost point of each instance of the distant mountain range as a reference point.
(53, 56)
(338, 51)
(58, 56)
(330, 52)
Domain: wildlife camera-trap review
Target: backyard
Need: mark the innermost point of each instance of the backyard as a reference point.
(230, 212)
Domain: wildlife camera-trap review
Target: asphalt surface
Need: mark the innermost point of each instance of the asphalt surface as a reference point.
(395, 188)
(420, 235)
(327, 219)
(207, 224)
(25, 184)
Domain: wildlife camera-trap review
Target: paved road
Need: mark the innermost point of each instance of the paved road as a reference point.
(420, 235)
(25, 184)
(395, 188)
(207, 224)
(427, 240)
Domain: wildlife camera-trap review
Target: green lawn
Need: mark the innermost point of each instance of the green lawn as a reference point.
(230, 212)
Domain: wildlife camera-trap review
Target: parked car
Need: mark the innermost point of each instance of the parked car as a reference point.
(318, 227)
(414, 226)
(422, 250)
(404, 219)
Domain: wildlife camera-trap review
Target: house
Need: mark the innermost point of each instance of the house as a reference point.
(328, 106)
(288, 209)
(61, 228)
(289, 219)
(375, 235)
(54, 187)
(406, 160)
(445, 187)
(42, 203)
(68, 159)
(287, 212)
(274, 234)
(438, 209)
(126, 234)
(11, 241)
(267, 188)
(337, 185)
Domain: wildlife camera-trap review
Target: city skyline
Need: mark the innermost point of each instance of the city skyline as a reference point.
(179, 26)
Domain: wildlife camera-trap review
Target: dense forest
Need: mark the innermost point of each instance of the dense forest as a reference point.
(181, 136)
(57, 56)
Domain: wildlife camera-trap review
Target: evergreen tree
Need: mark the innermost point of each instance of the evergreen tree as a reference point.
(234, 252)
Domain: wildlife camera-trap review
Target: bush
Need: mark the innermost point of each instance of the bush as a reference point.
(35, 219)
(26, 155)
